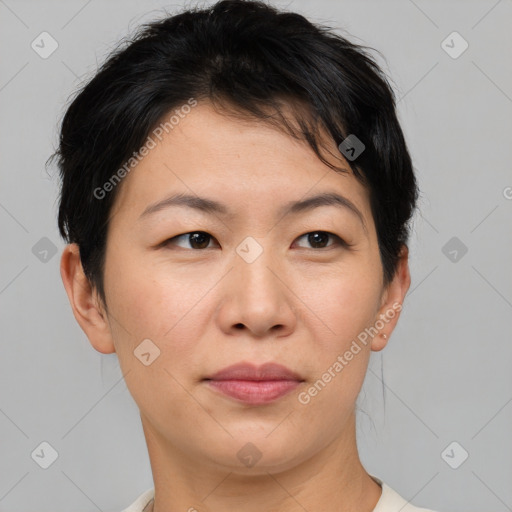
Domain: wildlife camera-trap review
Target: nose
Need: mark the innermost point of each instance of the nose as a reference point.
(257, 297)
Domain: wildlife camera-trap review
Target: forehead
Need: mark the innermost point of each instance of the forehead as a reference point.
(243, 162)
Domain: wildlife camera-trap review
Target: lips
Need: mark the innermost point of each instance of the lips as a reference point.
(247, 371)
(254, 385)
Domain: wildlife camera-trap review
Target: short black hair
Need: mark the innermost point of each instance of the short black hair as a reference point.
(255, 59)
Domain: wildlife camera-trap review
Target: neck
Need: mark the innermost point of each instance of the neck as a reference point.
(333, 480)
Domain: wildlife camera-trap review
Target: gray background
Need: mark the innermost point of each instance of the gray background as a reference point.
(447, 367)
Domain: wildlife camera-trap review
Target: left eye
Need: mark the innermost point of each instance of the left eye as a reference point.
(318, 239)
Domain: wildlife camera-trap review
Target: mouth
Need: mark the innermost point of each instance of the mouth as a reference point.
(254, 385)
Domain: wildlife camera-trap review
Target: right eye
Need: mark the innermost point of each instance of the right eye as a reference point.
(196, 239)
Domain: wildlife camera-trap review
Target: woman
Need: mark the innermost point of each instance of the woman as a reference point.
(236, 196)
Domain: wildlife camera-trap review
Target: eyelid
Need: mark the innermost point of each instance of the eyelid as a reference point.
(339, 241)
(173, 238)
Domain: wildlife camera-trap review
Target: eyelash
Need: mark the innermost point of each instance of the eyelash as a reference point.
(340, 242)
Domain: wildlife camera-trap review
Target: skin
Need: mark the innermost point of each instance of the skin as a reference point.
(297, 304)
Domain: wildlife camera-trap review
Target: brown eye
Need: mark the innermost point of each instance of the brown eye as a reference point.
(195, 239)
(319, 239)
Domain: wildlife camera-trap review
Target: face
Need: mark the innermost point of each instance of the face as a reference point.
(252, 280)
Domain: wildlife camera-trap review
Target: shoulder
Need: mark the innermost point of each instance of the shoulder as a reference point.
(391, 501)
(140, 503)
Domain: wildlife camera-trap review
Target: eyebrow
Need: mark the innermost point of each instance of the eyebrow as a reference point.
(213, 207)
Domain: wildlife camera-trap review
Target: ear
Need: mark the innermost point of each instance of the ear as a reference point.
(392, 300)
(84, 300)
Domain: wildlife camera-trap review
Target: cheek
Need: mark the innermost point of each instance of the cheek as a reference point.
(152, 303)
(159, 310)
(345, 304)
(346, 301)
(338, 357)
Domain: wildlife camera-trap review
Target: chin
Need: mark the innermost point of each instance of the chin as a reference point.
(251, 454)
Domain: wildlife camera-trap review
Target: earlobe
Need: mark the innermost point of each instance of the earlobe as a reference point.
(393, 298)
(84, 303)
(379, 342)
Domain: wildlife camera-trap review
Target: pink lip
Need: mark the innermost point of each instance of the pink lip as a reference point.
(255, 385)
